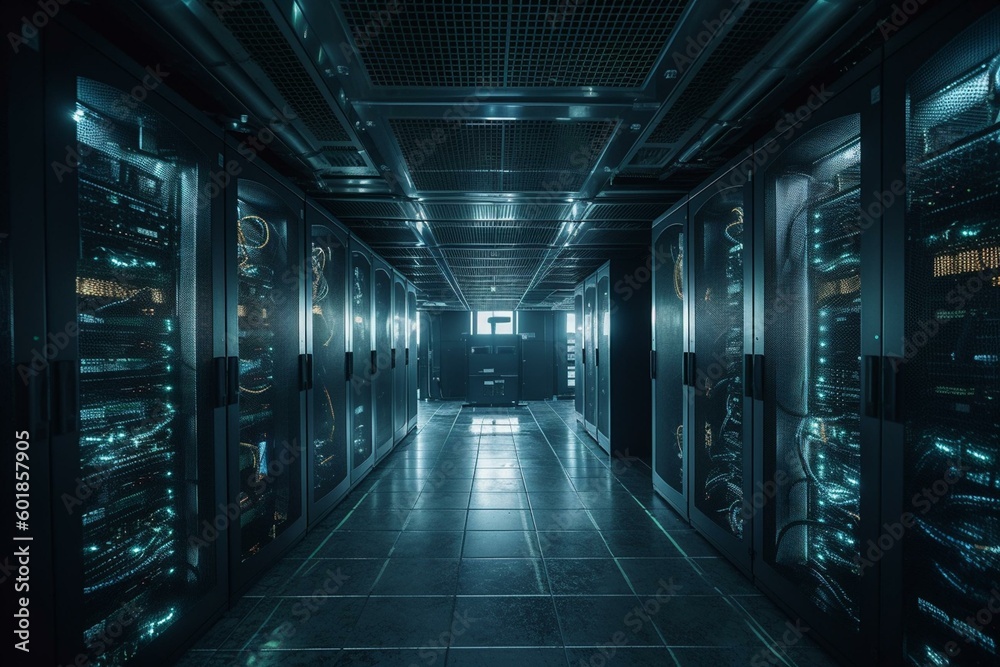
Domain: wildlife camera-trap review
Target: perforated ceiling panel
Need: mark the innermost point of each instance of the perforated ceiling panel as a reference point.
(511, 43)
(500, 234)
(761, 22)
(254, 28)
(500, 155)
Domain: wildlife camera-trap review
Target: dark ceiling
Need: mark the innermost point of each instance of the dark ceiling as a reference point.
(498, 151)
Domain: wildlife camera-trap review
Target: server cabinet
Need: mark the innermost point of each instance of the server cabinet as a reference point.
(722, 344)
(942, 346)
(398, 360)
(133, 310)
(410, 356)
(669, 362)
(819, 330)
(328, 478)
(265, 250)
(603, 368)
(580, 353)
(361, 360)
(590, 344)
(382, 375)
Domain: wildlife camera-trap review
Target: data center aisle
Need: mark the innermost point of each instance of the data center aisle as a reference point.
(505, 535)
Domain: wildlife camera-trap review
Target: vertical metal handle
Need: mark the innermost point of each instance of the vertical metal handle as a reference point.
(892, 370)
(871, 379)
(393, 355)
(597, 356)
(758, 377)
(219, 372)
(652, 364)
(234, 381)
(374, 363)
(303, 372)
(406, 361)
(748, 376)
(692, 369)
(685, 368)
(583, 350)
(65, 375)
(348, 366)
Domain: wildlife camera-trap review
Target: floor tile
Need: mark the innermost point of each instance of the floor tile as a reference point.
(503, 576)
(507, 621)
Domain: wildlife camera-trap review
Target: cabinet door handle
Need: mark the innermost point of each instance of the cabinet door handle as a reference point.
(348, 366)
(758, 377)
(584, 355)
(220, 372)
(393, 356)
(652, 364)
(748, 379)
(871, 378)
(406, 357)
(892, 380)
(374, 363)
(303, 372)
(66, 375)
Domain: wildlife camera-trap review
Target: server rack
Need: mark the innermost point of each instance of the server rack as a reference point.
(818, 281)
(603, 370)
(361, 363)
(721, 437)
(669, 363)
(580, 355)
(327, 334)
(382, 373)
(132, 295)
(942, 344)
(590, 344)
(398, 360)
(410, 356)
(265, 247)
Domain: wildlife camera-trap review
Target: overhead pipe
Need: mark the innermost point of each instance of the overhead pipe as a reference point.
(198, 41)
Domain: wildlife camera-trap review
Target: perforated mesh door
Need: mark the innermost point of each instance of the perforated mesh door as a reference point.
(329, 420)
(382, 381)
(399, 356)
(360, 287)
(590, 374)
(603, 357)
(669, 334)
(718, 407)
(268, 316)
(145, 329)
(812, 320)
(951, 371)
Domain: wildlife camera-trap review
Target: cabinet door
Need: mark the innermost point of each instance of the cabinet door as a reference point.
(590, 343)
(721, 435)
(820, 320)
(382, 378)
(943, 365)
(412, 341)
(669, 393)
(132, 311)
(360, 294)
(398, 360)
(603, 359)
(269, 480)
(328, 407)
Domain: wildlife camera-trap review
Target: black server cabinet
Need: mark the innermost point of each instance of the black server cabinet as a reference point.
(818, 329)
(590, 344)
(669, 363)
(382, 375)
(580, 354)
(361, 360)
(328, 479)
(265, 253)
(603, 370)
(410, 356)
(942, 345)
(133, 307)
(398, 360)
(722, 344)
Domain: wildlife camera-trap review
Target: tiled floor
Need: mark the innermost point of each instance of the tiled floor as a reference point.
(503, 537)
